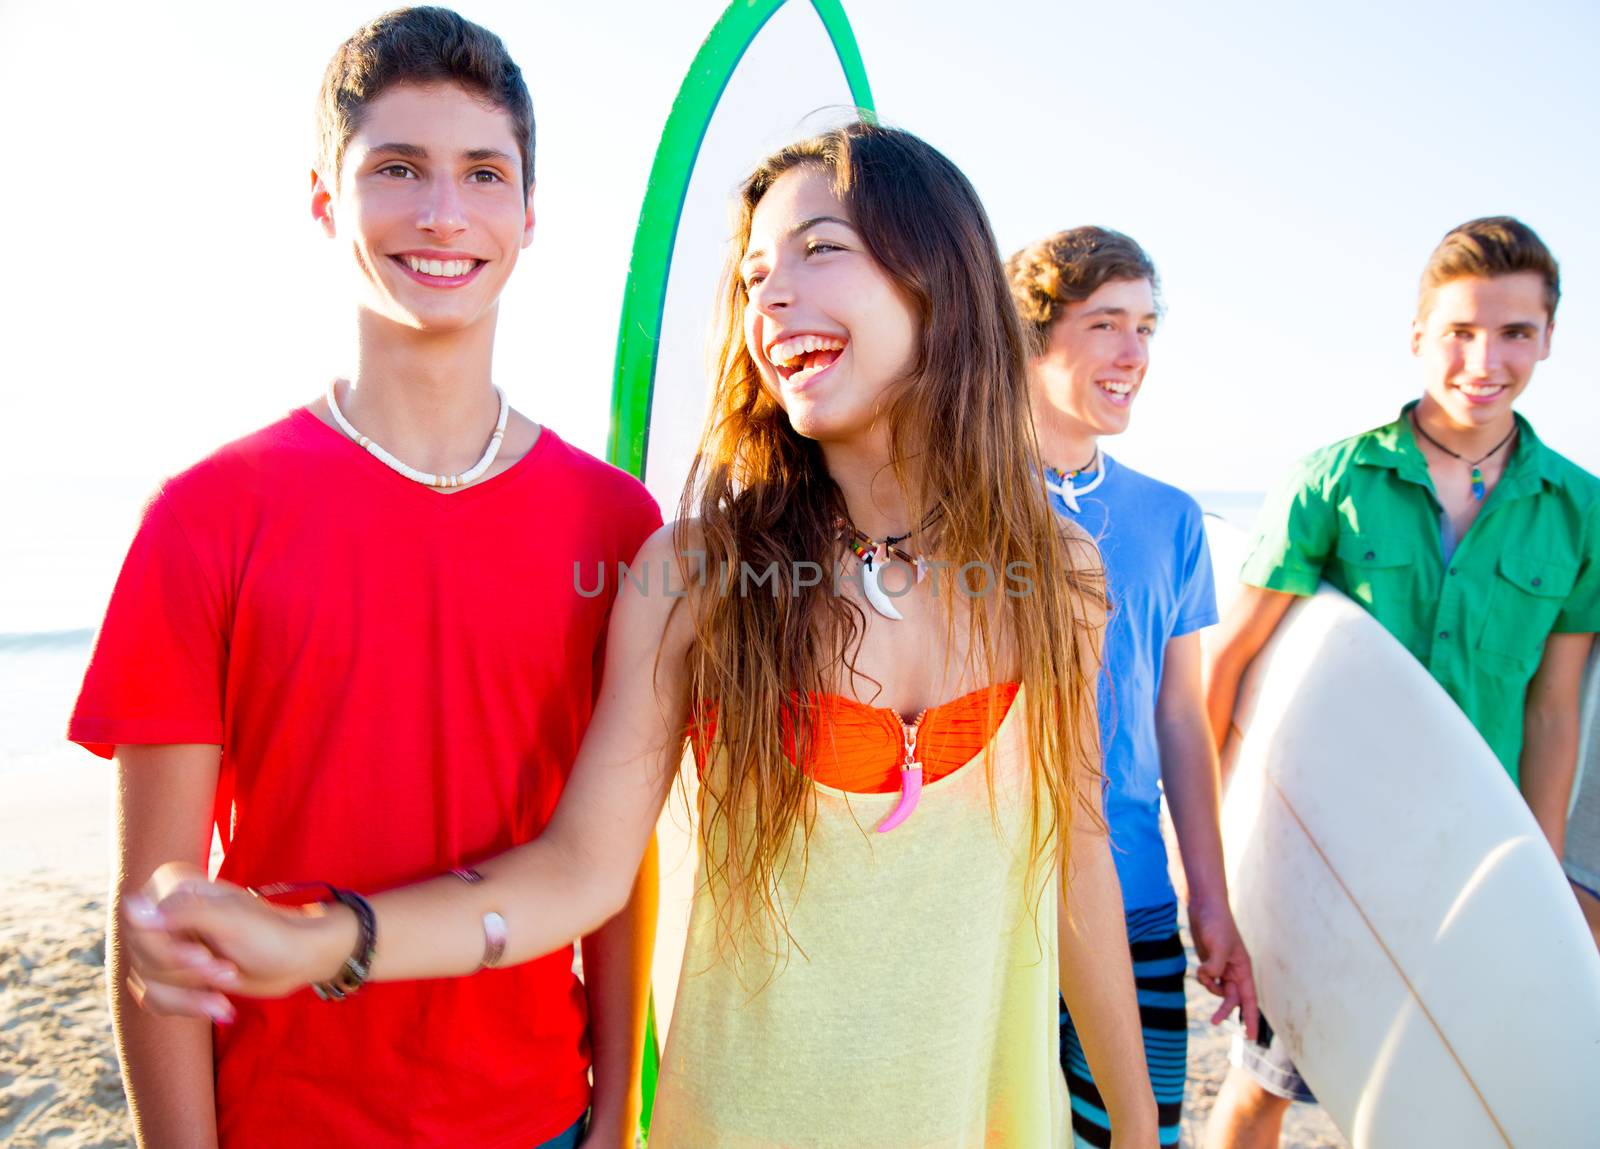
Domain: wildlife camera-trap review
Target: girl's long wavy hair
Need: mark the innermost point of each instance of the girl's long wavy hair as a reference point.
(963, 450)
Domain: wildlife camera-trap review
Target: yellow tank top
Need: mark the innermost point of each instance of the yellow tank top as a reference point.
(915, 1005)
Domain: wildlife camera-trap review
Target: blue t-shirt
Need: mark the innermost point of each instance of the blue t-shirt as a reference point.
(1158, 572)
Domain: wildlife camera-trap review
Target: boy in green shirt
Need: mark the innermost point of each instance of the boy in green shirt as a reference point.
(1472, 542)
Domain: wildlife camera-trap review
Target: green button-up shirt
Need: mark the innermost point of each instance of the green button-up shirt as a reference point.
(1363, 515)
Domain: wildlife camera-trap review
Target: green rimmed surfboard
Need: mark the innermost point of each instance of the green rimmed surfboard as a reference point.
(764, 72)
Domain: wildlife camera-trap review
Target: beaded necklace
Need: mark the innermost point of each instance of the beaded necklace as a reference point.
(868, 549)
(423, 477)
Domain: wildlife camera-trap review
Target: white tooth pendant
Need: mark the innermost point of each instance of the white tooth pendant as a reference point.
(875, 557)
(1066, 486)
(872, 586)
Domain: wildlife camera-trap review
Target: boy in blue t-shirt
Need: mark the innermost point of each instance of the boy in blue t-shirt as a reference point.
(1088, 297)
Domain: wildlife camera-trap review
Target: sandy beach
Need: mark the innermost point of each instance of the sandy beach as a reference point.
(59, 1086)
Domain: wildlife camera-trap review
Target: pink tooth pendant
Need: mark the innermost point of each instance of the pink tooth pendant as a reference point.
(910, 778)
(910, 791)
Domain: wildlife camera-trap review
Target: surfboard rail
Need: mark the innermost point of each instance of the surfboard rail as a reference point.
(645, 294)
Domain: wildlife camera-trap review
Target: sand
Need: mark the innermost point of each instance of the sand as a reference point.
(59, 1084)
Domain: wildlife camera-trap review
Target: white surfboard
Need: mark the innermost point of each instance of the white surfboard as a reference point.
(768, 73)
(1414, 939)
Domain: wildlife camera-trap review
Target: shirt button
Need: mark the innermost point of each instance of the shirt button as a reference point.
(1444, 634)
(1452, 570)
(1370, 555)
(1538, 581)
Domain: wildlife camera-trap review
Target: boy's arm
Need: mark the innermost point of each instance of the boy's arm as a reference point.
(1095, 970)
(1243, 631)
(1550, 733)
(1189, 778)
(616, 979)
(164, 811)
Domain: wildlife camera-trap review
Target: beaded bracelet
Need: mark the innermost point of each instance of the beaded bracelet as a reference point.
(494, 926)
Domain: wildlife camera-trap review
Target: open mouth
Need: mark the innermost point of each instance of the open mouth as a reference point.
(1117, 391)
(800, 358)
(439, 272)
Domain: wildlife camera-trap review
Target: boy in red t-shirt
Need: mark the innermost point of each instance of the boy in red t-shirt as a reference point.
(367, 664)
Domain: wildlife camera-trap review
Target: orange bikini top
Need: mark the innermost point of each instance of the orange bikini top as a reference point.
(860, 748)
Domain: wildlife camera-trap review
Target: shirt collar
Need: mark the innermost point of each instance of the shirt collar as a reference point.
(1394, 445)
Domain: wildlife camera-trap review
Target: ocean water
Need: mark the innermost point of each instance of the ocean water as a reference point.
(1238, 507)
(55, 798)
(61, 546)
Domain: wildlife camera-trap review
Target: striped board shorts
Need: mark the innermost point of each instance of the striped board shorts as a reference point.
(1158, 968)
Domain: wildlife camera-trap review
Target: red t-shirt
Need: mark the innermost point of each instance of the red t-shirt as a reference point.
(399, 680)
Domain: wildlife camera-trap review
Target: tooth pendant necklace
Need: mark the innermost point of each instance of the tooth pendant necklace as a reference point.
(423, 477)
(910, 776)
(1478, 488)
(1061, 482)
(875, 556)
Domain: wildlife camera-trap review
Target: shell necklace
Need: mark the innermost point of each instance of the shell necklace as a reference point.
(1061, 482)
(423, 477)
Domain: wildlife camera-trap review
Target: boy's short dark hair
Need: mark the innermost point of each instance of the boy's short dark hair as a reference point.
(1485, 248)
(418, 46)
(1069, 267)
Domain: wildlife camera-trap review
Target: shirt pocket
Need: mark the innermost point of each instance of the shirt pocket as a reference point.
(1375, 567)
(1382, 572)
(1526, 596)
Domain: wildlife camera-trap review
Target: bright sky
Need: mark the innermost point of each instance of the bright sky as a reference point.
(1289, 168)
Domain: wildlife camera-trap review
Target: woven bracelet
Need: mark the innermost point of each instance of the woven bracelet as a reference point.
(353, 974)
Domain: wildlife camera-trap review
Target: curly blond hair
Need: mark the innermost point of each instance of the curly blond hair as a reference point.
(1068, 267)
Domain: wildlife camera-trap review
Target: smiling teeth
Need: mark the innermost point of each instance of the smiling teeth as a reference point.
(1118, 388)
(443, 268)
(1482, 389)
(789, 350)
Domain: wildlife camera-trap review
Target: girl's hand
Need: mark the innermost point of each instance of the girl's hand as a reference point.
(192, 940)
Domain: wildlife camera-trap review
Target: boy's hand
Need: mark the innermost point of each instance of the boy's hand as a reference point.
(192, 940)
(1224, 963)
(604, 1133)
